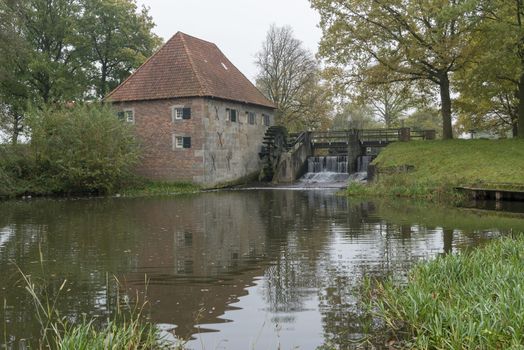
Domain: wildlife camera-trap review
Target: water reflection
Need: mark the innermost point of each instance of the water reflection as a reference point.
(233, 270)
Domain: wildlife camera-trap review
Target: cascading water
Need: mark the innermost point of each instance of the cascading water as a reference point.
(362, 168)
(327, 164)
(363, 162)
(326, 171)
(332, 171)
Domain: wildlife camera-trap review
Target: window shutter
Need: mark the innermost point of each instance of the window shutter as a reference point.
(186, 113)
(187, 142)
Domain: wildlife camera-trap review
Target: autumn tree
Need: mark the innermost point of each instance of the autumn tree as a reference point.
(405, 40)
(13, 65)
(492, 87)
(290, 77)
(355, 115)
(116, 38)
(55, 51)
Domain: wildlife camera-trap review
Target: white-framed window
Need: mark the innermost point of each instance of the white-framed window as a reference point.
(180, 113)
(127, 115)
(232, 115)
(251, 118)
(181, 142)
(266, 120)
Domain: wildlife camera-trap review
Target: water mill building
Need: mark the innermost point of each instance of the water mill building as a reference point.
(198, 118)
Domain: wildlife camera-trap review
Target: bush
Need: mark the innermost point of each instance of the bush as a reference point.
(84, 149)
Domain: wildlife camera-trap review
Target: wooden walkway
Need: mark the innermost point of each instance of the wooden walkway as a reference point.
(367, 137)
(494, 191)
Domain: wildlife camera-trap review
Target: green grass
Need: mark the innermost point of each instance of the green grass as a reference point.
(473, 300)
(152, 188)
(439, 166)
(125, 329)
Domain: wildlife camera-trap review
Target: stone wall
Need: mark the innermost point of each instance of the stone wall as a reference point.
(231, 148)
(221, 151)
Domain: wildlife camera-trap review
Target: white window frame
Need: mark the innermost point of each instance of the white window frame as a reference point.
(128, 112)
(176, 143)
(175, 114)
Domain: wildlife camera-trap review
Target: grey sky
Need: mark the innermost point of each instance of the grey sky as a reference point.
(238, 27)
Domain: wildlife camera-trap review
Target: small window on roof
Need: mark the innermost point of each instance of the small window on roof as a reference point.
(223, 65)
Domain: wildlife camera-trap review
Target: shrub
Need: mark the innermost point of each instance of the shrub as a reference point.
(82, 149)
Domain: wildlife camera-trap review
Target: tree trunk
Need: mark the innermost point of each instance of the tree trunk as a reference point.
(102, 88)
(520, 111)
(445, 101)
(16, 129)
(514, 129)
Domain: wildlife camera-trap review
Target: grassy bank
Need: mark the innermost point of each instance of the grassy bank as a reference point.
(469, 301)
(431, 169)
(153, 188)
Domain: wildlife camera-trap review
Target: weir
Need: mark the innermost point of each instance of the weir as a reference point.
(349, 153)
(326, 171)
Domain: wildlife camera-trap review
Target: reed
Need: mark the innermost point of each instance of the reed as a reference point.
(473, 300)
(126, 328)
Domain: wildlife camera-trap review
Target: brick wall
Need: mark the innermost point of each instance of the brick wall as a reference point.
(221, 150)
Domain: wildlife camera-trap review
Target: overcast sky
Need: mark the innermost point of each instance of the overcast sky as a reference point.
(237, 27)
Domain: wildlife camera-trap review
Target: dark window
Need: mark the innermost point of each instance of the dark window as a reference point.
(186, 113)
(181, 113)
(126, 116)
(251, 118)
(181, 142)
(265, 117)
(187, 142)
(231, 115)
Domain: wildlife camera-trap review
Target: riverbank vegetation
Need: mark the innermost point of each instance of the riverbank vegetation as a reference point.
(73, 150)
(126, 327)
(432, 169)
(154, 188)
(473, 300)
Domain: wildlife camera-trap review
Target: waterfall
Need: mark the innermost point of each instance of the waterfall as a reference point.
(362, 163)
(333, 164)
(326, 171)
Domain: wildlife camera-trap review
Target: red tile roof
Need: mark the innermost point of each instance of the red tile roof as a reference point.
(188, 67)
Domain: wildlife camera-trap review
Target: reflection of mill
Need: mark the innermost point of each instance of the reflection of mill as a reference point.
(206, 254)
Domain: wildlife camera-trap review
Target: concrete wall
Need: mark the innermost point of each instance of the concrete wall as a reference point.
(221, 150)
(293, 163)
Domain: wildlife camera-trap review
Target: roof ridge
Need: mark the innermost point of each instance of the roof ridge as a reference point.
(121, 85)
(203, 88)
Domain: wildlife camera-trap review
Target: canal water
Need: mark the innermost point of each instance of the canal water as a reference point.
(258, 269)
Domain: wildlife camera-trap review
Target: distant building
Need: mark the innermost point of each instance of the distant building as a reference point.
(198, 117)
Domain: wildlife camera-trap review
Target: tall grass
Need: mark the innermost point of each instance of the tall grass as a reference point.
(473, 300)
(127, 329)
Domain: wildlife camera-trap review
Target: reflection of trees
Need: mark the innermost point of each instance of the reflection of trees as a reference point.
(299, 227)
(200, 252)
(80, 241)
